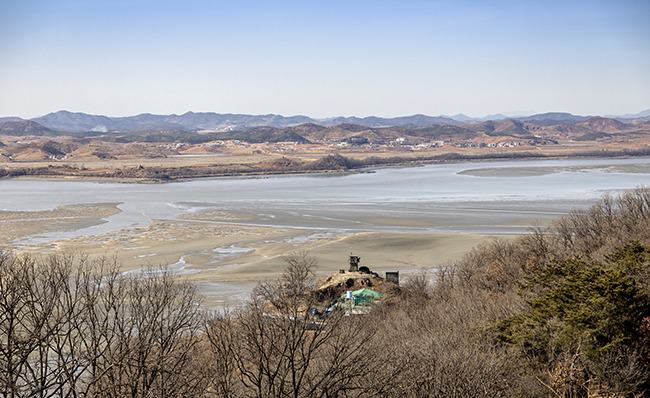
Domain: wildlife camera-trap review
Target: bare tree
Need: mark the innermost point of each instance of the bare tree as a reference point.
(146, 339)
(277, 347)
(72, 327)
(37, 342)
(221, 338)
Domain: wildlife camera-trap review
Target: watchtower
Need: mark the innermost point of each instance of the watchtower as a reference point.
(354, 263)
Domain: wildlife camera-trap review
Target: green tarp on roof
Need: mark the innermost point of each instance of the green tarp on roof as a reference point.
(364, 292)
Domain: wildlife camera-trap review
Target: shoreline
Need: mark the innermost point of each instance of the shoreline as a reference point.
(227, 247)
(94, 175)
(225, 261)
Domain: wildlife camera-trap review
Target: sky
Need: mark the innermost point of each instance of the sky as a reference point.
(324, 58)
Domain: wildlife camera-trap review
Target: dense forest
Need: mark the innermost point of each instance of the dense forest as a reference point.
(563, 311)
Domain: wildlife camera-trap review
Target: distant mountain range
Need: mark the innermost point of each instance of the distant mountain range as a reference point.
(535, 130)
(192, 121)
(215, 122)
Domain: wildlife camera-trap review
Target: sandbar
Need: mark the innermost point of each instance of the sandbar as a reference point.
(227, 260)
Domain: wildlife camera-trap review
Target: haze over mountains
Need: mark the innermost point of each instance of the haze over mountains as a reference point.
(78, 137)
(198, 121)
(196, 128)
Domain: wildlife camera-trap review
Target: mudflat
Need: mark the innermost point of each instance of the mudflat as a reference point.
(228, 234)
(227, 260)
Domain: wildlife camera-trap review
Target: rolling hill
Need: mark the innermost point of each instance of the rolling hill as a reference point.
(508, 127)
(553, 119)
(25, 127)
(197, 127)
(215, 122)
(73, 122)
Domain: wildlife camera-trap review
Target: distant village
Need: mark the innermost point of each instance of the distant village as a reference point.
(330, 146)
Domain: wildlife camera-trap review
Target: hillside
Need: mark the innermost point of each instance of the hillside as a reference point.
(373, 121)
(508, 127)
(604, 125)
(25, 128)
(74, 122)
(159, 137)
(10, 119)
(551, 123)
(562, 311)
(553, 119)
(264, 134)
(594, 125)
(80, 122)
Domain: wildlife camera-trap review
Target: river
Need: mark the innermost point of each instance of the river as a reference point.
(473, 197)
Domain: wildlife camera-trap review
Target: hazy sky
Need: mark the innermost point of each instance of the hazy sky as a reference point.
(324, 58)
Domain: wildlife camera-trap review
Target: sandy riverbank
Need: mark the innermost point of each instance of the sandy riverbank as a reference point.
(229, 234)
(227, 260)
